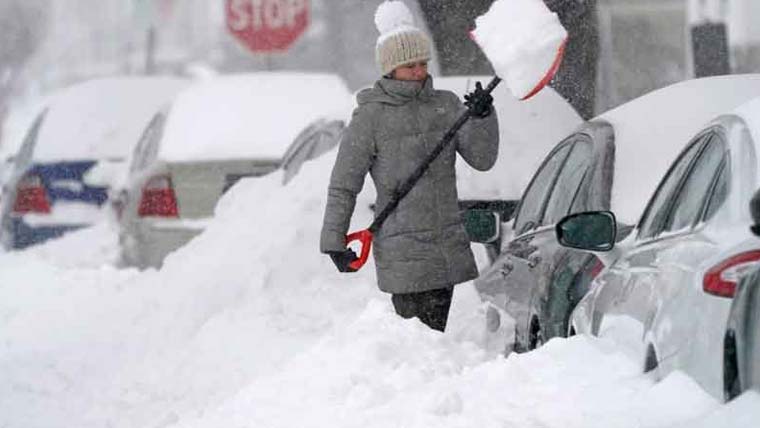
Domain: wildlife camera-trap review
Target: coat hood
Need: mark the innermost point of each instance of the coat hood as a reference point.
(396, 92)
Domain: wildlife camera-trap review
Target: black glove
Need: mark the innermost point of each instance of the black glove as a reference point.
(342, 259)
(479, 102)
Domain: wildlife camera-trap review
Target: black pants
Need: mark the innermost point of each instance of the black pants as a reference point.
(431, 307)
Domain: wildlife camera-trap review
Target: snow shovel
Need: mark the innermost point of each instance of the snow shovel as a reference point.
(364, 237)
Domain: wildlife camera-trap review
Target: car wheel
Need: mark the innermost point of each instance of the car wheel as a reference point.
(536, 335)
(731, 384)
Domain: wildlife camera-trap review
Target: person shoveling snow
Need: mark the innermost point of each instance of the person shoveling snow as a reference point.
(406, 135)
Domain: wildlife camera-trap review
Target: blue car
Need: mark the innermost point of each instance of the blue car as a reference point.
(73, 152)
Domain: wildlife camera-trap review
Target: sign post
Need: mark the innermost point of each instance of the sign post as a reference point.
(265, 26)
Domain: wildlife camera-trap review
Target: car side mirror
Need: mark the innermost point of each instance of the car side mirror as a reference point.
(591, 231)
(754, 210)
(482, 225)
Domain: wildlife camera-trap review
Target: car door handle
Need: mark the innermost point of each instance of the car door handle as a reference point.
(533, 261)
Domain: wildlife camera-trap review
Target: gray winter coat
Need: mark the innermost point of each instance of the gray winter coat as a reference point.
(423, 244)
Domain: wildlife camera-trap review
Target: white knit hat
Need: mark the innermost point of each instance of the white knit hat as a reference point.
(400, 42)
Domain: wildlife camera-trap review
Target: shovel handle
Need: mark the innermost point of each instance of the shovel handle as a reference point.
(365, 238)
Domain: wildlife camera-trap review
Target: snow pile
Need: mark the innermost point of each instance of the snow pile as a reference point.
(248, 325)
(743, 411)
(522, 39)
(378, 371)
(94, 247)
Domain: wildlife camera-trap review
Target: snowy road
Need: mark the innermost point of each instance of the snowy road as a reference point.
(248, 326)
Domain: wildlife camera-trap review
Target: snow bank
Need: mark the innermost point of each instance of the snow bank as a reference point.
(94, 247)
(256, 115)
(248, 325)
(742, 412)
(378, 371)
(522, 39)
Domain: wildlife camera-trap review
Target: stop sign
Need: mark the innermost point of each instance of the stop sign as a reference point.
(267, 25)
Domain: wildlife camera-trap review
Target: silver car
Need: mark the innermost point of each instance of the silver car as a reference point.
(613, 162)
(665, 294)
(212, 135)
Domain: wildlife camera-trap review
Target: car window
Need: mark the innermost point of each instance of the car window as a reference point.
(147, 147)
(24, 154)
(568, 182)
(659, 206)
(695, 190)
(532, 203)
(720, 190)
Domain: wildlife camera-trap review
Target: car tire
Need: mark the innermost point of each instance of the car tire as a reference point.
(731, 383)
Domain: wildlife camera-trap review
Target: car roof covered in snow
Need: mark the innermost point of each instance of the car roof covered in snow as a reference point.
(651, 131)
(253, 115)
(750, 113)
(528, 130)
(101, 118)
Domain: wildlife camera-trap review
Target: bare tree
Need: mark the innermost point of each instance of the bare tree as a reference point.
(23, 23)
(576, 78)
(450, 21)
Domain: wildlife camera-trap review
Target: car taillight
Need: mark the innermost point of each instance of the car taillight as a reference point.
(158, 199)
(722, 278)
(597, 268)
(31, 196)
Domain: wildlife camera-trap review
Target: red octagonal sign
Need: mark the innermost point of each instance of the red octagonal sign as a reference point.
(267, 25)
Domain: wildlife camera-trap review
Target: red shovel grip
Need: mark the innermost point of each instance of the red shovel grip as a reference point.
(365, 237)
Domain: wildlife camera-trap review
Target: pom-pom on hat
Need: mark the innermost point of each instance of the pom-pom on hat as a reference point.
(400, 42)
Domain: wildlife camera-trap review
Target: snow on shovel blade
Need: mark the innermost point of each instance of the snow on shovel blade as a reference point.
(524, 41)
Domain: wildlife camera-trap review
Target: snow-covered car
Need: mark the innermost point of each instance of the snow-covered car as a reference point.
(665, 293)
(611, 162)
(213, 134)
(61, 173)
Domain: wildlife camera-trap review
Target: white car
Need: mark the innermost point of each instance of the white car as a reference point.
(213, 134)
(666, 291)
